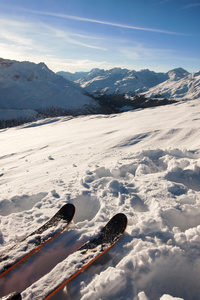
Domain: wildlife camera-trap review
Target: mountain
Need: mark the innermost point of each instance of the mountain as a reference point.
(72, 76)
(123, 89)
(122, 81)
(30, 91)
(119, 81)
(30, 86)
(177, 74)
(177, 87)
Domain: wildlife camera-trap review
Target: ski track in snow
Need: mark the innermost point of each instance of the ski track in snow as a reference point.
(144, 163)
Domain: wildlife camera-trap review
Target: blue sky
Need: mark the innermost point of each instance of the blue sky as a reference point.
(78, 35)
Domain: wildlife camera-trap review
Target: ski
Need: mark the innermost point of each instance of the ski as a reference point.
(37, 239)
(12, 296)
(79, 260)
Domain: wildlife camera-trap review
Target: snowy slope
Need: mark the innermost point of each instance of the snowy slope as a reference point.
(123, 81)
(144, 163)
(177, 87)
(25, 85)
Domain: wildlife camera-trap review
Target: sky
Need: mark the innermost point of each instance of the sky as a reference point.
(79, 35)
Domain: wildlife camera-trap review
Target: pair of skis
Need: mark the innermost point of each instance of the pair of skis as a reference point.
(87, 254)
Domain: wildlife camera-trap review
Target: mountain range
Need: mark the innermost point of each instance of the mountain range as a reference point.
(176, 83)
(29, 91)
(122, 89)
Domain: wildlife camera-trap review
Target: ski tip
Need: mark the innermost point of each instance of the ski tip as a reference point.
(12, 296)
(120, 219)
(116, 226)
(68, 211)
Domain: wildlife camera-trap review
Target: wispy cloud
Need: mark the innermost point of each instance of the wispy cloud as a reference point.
(54, 62)
(73, 38)
(32, 33)
(191, 5)
(13, 31)
(76, 18)
(72, 65)
(37, 41)
(163, 2)
(139, 51)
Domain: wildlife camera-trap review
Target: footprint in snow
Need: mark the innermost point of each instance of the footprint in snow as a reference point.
(55, 194)
(138, 205)
(20, 203)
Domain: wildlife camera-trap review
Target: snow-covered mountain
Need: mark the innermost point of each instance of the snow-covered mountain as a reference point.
(72, 76)
(123, 89)
(122, 81)
(177, 87)
(29, 90)
(30, 86)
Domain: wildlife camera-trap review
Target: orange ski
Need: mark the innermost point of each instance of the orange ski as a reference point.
(93, 249)
(64, 215)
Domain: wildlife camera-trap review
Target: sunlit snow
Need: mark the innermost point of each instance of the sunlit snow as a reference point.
(144, 163)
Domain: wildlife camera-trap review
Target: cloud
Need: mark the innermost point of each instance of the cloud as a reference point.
(76, 18)
(191, 5)
(36, 42)
(13, 32)
(143, 52)
(72, 65)
(38, 33)
(163, 2)
(14, 38)
(54, 62)
(73, 38)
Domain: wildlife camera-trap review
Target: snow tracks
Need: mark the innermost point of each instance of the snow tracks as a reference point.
(159, 191)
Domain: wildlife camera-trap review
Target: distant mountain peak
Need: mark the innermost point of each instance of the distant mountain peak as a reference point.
(6, 63)
(42, 65)
(95, 72)
(177, 73)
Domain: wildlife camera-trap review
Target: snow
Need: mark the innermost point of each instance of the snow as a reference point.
(123, 81)
(176, 84)
(25, 85)
(119, 81)
(30, 91)
(177, 87)
(144, 163)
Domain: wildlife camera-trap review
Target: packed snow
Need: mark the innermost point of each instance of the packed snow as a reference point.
(143, 163)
